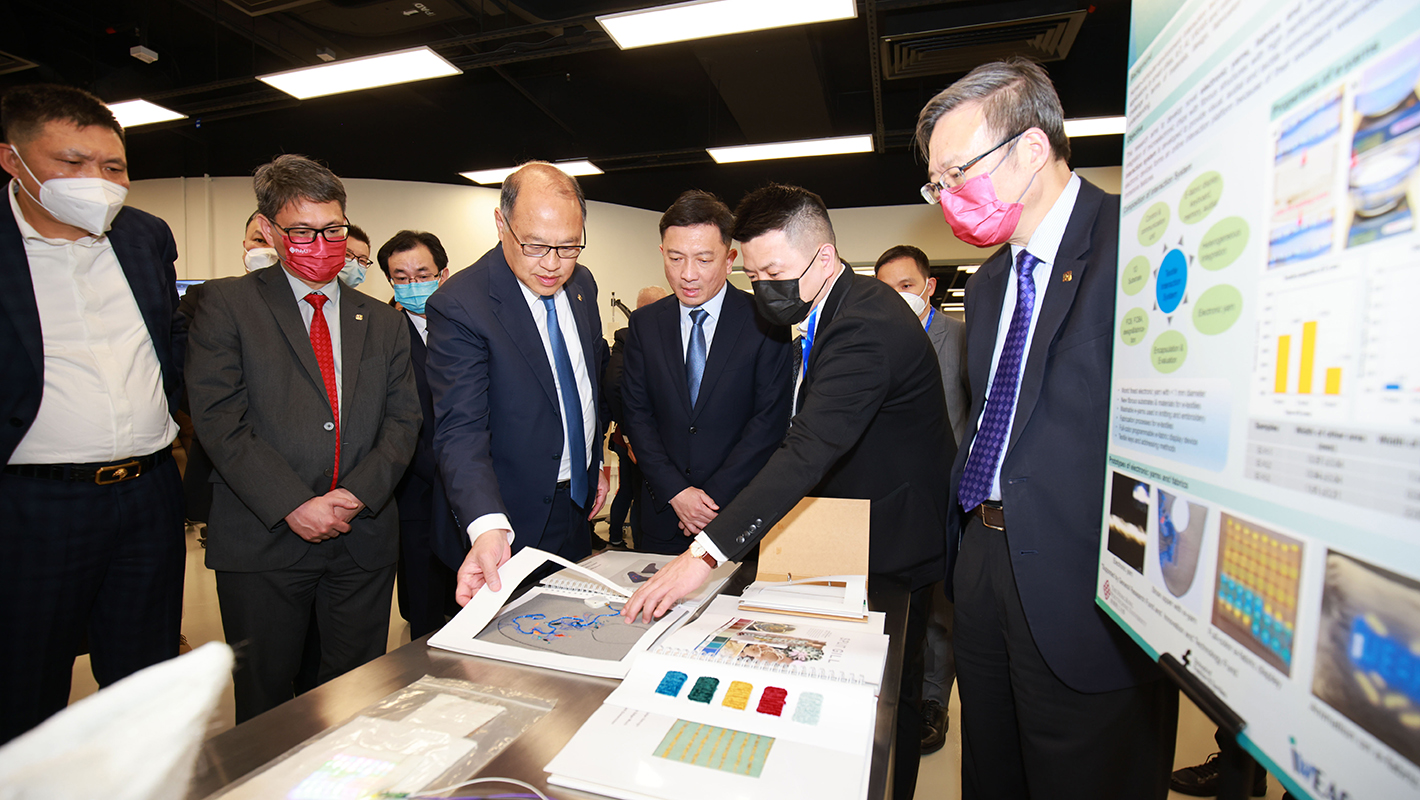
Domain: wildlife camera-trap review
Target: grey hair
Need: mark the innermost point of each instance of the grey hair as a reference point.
(1015, 95)
(288, 178)
(508, 197)
(649, 295)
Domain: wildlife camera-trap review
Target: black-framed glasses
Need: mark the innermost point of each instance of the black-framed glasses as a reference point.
(361, 260)
(953, 175)
(541, 250)
(331, 233)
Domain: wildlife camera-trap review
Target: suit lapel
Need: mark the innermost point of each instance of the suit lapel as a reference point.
(669, 330)
(129, 259)
(510, 306)
(276, 291)
(727, 332)
(354, 322)
(18, 301)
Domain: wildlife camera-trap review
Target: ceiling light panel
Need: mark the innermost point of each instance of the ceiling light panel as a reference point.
(132, 113)
(1094, 126)
(837, 145)
(576, 169)
(703, 19)
(355, 74)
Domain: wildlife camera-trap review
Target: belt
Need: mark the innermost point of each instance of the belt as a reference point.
(564, 485)
(992, 514)
(101, 474)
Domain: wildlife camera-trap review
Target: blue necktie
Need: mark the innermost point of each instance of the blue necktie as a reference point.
(985, 456)
(695, 354)
(571, 405)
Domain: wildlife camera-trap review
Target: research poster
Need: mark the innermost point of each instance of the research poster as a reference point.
(1262, 509)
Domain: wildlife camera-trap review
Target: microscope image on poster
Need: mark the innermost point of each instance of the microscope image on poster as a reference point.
(1129, 520)
(1180, 542)
(1255, 598)
(1368, 651)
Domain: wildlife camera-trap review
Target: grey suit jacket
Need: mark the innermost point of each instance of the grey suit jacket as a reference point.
(259, 407)
(948, 335)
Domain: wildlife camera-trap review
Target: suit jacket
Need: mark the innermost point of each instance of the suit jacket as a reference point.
(260, 409)
(499, 432)
(948, 335)
(1053, 469)
(146, 251)
(196, 483)
(739, 418)
(871, 424)
(611, 381)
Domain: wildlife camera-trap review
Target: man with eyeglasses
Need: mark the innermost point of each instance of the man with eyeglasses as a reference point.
(303, 393)
(515, 366)
(1056, 701)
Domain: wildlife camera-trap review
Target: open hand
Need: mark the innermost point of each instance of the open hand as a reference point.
(489, 552)
(675, 580)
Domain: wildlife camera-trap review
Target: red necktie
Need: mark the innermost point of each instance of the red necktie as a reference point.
(320, 342)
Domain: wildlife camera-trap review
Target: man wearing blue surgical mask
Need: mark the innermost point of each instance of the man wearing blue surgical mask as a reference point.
(91, 502)
(415, 262)
(357, 257)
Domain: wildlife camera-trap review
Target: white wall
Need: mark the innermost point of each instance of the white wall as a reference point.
(207, 216)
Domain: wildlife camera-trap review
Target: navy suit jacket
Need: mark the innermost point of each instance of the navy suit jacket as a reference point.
(498, 420)
(147, 253)
(739, 419)
(1053, 469)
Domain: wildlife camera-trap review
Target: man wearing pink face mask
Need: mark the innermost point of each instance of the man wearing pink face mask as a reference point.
(1056, 701)
(303, 394)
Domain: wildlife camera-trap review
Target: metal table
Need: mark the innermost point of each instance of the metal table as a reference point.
(231, 755)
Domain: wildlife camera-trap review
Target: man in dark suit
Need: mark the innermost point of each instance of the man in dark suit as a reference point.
(707, 386)
(870, 423)
(628, 483)
(415, 263)
(303, 394)
(1056, 701)
(515, 367)
(91, 527)
(906, 269)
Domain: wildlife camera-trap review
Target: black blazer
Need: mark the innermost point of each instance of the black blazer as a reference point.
(498, 434)
(260, 409)
(611, 381)
(739, 418)
(147, 253)
(1053, 470)
(871, 424)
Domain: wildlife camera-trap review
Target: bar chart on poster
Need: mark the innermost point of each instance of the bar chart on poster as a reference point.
(1262, 517)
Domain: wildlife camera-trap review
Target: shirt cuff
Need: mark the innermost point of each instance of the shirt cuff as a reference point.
(709, 545)
(489, 522)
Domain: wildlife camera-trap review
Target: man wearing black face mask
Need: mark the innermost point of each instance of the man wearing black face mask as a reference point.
(869, 422)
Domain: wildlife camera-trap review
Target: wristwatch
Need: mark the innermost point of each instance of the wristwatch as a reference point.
(697, 550)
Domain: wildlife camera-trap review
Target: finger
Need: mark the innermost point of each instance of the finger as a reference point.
(667, 600)
(340, 525)
(628, 611)
(489, 565)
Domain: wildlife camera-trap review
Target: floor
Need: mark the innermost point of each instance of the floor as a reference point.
(939, 778)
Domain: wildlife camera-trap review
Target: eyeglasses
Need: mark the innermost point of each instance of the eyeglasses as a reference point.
(953, 175)
(361, 260)
(332, 233)
(541, 250)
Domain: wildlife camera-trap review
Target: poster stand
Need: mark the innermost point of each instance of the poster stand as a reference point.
(1235, 766)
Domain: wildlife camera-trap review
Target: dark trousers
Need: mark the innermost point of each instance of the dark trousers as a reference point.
(1025, 734)
(76, 559)
(426, 586)
(627, 486)
(907, 747)
(939, 663)
(568, 532)
(265, 616)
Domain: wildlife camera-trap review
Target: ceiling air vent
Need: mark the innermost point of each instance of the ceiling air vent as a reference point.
(953, 50)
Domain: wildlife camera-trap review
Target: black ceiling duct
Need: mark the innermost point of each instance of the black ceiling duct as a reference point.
(949, 51)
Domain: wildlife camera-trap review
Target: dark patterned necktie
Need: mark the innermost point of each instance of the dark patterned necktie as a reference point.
(695, 354)
(325, 357)
(571, 404)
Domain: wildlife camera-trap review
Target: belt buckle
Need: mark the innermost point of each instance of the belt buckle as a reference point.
(118, 473)
(984, 512)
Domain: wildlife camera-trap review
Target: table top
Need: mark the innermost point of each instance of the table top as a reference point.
(233, 754)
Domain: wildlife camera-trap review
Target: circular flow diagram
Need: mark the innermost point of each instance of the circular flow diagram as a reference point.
(1216, 308)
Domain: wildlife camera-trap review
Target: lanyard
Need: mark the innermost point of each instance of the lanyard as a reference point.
(809, 339)
(931, 315)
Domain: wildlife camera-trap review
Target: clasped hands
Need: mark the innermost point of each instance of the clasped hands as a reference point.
(325, 516)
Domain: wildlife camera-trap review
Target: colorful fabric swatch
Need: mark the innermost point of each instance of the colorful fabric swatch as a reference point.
(737, 696)
(704, 689)
(772, 701)
(807, 711)
(717, 748)
(671, 683)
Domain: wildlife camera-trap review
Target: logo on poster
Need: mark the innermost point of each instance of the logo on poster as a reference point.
(1311, 776)
(1106, 590)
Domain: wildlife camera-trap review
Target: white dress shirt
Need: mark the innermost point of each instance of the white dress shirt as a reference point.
(687, 325)
(1044, 245)
(103, 394)
(567, 324)
(331, 311)
(421, 324)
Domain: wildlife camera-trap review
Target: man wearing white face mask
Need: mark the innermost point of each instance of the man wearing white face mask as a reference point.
(257, 253)
(92, 538)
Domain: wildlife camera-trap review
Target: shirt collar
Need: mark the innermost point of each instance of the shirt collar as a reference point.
(534, 299)
(711, 306)
(330, 290)
(802, 328)
(28, 232)
(1045, 242)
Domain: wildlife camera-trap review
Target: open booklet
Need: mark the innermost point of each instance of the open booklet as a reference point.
(572, 626)
(736, 705)
(629, 570)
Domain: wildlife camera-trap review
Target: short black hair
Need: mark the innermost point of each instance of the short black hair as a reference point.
(905, 251)
(404, 241)
(288, 178)
(696, 207)
(796, 211)
(357, 232)
(25, 110)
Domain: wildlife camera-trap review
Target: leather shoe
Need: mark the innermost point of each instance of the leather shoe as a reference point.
(1203, 780)
(934, 726)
